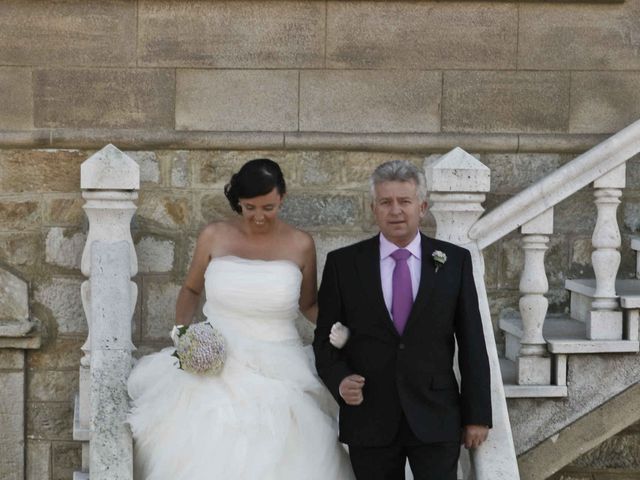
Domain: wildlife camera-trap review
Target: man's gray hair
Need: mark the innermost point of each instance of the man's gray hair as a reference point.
(399, 171)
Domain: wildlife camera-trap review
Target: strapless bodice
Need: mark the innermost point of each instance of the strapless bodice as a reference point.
(255, 298)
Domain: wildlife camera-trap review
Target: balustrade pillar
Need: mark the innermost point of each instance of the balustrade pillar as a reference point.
(455, 183)
(605, 318)
(109, 180)
(533, 365)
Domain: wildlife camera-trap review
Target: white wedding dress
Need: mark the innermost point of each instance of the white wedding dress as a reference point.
(267, 416)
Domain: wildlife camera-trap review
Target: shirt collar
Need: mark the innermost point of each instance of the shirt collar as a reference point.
(387, 247)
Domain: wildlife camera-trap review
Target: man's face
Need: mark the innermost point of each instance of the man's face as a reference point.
(398, 210)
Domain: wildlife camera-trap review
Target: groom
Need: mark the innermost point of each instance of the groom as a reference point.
(405, 299)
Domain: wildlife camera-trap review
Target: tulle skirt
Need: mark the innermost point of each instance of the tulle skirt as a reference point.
(265, 417)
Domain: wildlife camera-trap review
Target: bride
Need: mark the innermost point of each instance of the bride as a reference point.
(266, 416)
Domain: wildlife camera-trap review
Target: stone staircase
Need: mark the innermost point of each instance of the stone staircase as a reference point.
(568, 335)
(556, 371)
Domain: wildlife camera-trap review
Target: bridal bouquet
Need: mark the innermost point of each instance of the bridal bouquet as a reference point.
(200, 348)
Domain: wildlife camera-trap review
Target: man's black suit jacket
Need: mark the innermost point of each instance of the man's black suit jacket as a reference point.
(412, 372)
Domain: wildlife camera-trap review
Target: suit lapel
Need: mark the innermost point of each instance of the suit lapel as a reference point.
(427, 282)
(368, 265)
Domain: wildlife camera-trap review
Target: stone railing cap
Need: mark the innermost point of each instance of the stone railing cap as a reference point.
(457, 171)
(110, 169)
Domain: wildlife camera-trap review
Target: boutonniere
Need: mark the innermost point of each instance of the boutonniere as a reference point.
(439, 258)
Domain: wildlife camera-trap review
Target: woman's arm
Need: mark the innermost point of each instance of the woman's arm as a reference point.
(189, 295)
(308, 290)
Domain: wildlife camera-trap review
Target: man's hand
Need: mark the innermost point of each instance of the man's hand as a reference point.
(474, 435)
(351, 389)
(339, 335)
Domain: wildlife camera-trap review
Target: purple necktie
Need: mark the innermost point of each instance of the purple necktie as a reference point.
(402, 298)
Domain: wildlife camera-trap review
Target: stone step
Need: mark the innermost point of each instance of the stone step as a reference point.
(564, 336)
(583, 290)
(513, 390)
(80, 476)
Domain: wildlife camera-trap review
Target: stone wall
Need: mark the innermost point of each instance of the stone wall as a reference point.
(43, 230)
(327, 88)
(305, 72)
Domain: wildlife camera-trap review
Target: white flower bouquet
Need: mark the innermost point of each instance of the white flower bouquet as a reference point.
(200, 348)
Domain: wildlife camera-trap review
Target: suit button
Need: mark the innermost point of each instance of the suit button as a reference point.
(401, 346)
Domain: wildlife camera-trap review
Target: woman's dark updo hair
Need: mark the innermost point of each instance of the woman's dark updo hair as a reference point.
(256, 177)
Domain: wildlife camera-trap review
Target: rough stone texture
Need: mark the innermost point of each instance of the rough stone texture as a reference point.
(11, 426)
(65, 211)
(163, 210)
(16, 97)
(631, 213)
(148, 163)
(155, 255)
(103, 98)
(421, 35)
(20, 250)
(226, 34)
(20, 215)
(322, 210)
(511, 173)
(38, 460)
(112, 447)
(620, 451)
(63, 248)
(577, 214)
(592, 379)
(61, 354)
(158, 311)
(28, 171)
(231, 100)
(213, 208)
(370, 101)
(556, 261)
(11, 359)
(61, 296)
(75, 32)
(49, 420)
(567, 36)
(67, 458)
(52, 385)
(358, 166)
(320, 168)
(505, 102)
(14, 297)
(604, 102)
(180, 173)
(214, 169)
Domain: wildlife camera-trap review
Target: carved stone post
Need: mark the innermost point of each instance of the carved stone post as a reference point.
(17, 335)
(605, 319)
(109, 180)
(533, 363)
(456, 183)
(111, 449)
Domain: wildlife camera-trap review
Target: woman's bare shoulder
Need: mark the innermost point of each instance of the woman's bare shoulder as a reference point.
(217, 231)
(299, 239)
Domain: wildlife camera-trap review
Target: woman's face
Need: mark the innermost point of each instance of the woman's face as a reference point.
(261, 212)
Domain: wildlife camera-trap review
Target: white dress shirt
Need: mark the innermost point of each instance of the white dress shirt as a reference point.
(387, 264)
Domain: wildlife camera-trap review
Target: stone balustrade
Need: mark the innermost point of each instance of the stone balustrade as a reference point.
(457, 183)
(533, 363)
(110, 181)
(605, 320)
